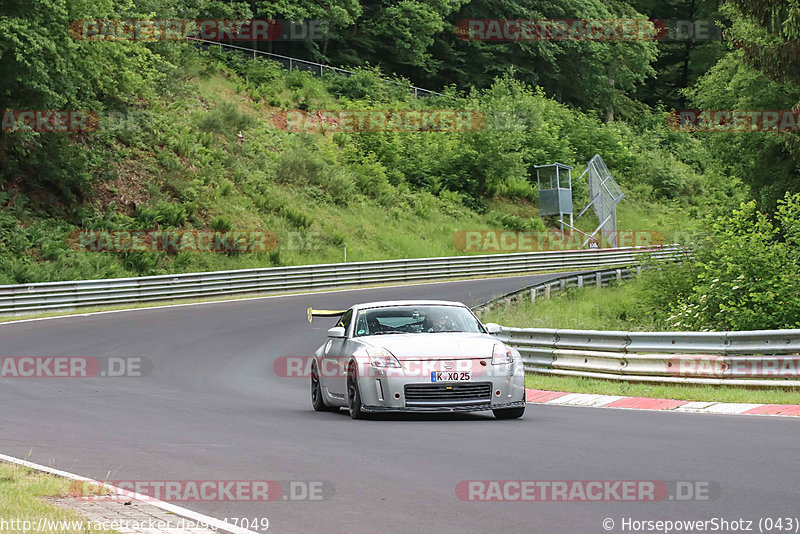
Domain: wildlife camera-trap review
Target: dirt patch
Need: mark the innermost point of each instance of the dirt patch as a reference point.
(127, 190)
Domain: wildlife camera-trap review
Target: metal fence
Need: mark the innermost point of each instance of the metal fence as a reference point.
(759, 358)
(292, 63)
(60, 296)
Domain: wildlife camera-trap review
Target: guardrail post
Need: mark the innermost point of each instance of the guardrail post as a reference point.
(290, 64)
(547, 291)
(638, 271)
(533, 295)
(598, 276)
(619, 275)
(580, 280)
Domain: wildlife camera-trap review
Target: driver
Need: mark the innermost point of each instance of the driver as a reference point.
(438, 321)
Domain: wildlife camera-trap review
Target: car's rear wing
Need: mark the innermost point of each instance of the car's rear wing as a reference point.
(324, 313)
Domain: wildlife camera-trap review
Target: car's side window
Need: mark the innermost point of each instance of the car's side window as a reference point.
(345, 320)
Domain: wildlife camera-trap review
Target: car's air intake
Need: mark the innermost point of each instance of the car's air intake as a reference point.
(419, 395)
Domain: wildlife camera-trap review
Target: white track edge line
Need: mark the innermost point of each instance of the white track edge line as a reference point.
(209, 521)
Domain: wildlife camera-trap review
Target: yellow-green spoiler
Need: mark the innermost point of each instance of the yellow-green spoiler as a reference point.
(324, 313)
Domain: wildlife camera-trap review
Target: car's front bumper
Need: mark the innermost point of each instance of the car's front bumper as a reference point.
(443, 408)
(492, 388)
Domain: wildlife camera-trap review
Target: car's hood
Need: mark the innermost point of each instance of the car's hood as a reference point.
(436, 346)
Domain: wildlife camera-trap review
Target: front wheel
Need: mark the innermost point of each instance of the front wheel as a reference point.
(316, 393)
(509, 413)
(353, 395)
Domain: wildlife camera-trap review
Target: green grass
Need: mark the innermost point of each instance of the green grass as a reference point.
(662, 391)
(617, 307)
(21, 490)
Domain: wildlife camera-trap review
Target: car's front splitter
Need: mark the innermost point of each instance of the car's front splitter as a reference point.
(443, 409)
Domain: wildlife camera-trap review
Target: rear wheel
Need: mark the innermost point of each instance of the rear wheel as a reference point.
(317, 401)
(509, 413)
(353, 395)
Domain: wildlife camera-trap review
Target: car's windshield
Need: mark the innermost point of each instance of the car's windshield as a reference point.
(415, 319)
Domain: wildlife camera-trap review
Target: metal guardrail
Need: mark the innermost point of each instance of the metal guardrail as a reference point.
(65, 296)
(759, 358)
(292, 63)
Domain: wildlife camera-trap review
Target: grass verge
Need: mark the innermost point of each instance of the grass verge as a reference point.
(21, 492)
(618, 307)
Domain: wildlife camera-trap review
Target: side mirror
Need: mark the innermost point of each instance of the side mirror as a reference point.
(336, 331)
(493, 328)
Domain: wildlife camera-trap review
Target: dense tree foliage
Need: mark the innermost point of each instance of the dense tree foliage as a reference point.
(692, 44)
(758, 73)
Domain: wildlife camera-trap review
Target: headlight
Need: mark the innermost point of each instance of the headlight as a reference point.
(501, 354)
(382, 358)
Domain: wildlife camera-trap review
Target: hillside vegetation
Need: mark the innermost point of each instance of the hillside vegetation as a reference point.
(172, 159)
(167, 153)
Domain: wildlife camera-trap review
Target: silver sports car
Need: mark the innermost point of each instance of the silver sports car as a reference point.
(415, 356)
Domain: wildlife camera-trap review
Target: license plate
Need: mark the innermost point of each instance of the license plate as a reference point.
(451, 376)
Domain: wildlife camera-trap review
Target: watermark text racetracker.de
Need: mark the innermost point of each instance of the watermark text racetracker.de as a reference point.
(120, 241)
(531, 241)
(202, 490)
(74, 366)
(730, 366)
(703, 120)
(48, 120)
(204, 29)
(421, 367)
(585, 490)
(587, 30)
(379, 120)
(404, 120)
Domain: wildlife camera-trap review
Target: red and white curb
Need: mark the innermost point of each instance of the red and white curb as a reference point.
(561, 398)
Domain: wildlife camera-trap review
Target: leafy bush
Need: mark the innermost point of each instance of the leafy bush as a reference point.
(744, 275)
(513, 222)
(225, 119)
(367, 84)
(296, 217)
(304, 166)
(221, 223)
(165, 213)
(518, 188)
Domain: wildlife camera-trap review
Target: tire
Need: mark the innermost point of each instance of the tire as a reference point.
(509, 413)
(354, 395)
(317, 400)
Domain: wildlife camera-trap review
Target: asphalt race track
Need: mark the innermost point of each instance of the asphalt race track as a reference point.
(213, 408)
